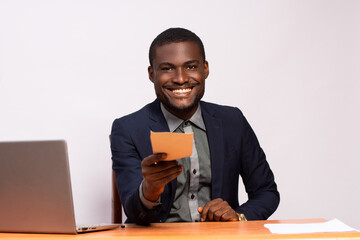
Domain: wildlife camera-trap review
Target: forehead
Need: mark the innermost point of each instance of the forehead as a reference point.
(175, 52)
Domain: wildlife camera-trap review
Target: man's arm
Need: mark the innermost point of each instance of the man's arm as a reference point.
(257, 177)
(248, 159)
(240, 154)
(130, 169)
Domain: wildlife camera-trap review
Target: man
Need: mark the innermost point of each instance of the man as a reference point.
(204, 186)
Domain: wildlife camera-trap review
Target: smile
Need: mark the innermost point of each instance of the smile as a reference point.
(181, 90)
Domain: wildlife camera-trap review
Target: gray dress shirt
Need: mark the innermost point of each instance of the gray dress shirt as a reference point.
(194, 183)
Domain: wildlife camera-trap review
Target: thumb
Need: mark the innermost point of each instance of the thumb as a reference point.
(200, 209)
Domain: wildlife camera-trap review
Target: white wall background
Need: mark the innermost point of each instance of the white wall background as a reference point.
(69, 68)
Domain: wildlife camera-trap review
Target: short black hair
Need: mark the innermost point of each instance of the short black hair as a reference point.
(175, 35)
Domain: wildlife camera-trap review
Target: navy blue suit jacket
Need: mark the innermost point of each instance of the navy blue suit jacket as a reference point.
(234, 151)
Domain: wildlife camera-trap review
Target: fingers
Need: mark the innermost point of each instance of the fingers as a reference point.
(161, 169)
(154, 184)
(156, 176)
(217, 210)
(162, 174)
(153, 159)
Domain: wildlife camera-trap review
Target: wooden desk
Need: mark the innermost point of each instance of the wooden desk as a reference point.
(198, 231)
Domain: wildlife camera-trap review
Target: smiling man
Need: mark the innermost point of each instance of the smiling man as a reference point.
(204, 186)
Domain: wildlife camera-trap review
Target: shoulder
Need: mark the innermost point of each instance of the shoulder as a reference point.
(221, 111)
(231, 118)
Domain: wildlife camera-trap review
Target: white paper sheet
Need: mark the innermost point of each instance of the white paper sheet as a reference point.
(330, 226)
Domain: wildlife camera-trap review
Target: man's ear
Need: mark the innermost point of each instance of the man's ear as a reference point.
(151, 73)
(206, 69)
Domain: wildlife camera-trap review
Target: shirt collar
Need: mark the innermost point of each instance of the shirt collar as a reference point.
(174, 122)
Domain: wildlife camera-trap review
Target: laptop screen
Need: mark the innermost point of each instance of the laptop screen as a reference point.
(35, 187)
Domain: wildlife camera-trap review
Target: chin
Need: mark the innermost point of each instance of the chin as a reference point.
(181, 108)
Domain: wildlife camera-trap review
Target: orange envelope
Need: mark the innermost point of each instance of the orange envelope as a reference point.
(175, 145)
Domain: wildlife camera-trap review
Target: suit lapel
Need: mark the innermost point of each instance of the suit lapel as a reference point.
(154, 121)
(157, 122)
(214, 132)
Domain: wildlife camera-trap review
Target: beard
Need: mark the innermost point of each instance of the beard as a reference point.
(183, 109)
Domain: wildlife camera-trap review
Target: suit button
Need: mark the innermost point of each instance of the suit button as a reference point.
(192, 196)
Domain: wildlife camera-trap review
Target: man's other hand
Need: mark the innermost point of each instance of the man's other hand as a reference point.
(157, 174)
(217, 210)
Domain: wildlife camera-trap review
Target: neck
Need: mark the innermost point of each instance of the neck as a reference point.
(184, 115)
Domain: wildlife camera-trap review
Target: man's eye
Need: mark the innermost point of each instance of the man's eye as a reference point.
(166, 68)
(191, 67)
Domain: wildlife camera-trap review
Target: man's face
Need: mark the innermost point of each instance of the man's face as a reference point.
(178, 73)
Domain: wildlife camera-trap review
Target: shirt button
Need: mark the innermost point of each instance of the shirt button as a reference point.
(194, 172)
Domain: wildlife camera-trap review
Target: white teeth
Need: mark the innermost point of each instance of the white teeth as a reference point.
(186, 90)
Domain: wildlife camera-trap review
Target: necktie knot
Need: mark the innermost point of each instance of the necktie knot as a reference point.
(182, 126)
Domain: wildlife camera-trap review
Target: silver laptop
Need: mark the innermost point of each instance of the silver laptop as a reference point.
(35, 189)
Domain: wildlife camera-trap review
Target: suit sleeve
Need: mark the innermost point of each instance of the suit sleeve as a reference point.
(127, 166)
(263, 196)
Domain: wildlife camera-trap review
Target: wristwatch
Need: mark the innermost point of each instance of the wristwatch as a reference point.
(241, 217)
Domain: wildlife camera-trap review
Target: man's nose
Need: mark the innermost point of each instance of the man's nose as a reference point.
(180, 77)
